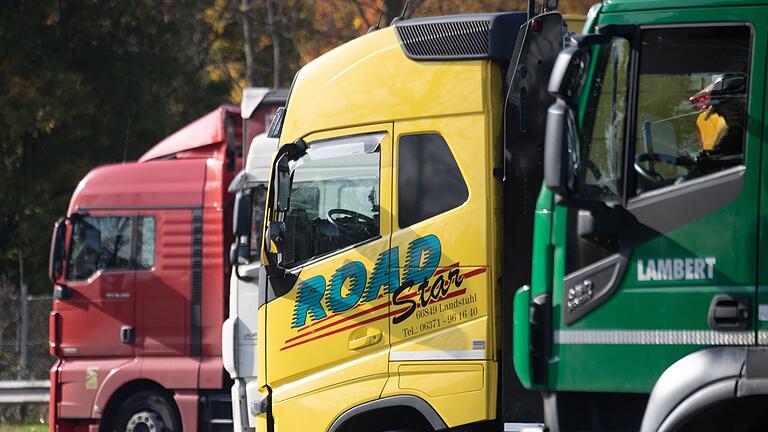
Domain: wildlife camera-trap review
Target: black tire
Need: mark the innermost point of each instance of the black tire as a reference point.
(147, 411)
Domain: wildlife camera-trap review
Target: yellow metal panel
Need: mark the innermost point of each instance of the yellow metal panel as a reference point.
(464, 235)
(322, 367)
(436, 379)
(370, 80)
(261, 330)
(457, 408)
(316, 411)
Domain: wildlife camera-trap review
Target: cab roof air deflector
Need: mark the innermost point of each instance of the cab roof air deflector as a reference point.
(461, 37)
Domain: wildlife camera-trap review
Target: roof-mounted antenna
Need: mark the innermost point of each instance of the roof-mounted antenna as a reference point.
(402, 14)
(378, 22)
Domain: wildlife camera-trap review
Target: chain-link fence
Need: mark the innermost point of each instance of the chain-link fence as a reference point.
(24, 338)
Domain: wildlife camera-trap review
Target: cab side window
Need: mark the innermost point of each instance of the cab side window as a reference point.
(429, 180)
(145, 257)
(99, 243)
(110, 243)
(691, 112)
(334, 198)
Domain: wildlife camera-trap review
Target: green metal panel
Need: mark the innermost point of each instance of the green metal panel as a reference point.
(621, 6)
(666, 317)
(522, 337)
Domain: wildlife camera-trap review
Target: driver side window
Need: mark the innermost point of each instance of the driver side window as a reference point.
(691, 112)
(334, 197)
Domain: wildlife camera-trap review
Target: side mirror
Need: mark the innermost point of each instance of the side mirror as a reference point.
(56, 257)
(556, 175)
(274, 129)
(571, 64)
(283, 182)
(567, 83)
(241, 225)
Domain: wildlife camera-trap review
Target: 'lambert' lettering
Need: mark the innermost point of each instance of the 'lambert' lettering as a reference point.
(316, 298)
(662, 269)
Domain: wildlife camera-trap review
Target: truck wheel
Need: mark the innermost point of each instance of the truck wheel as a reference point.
(147, 411)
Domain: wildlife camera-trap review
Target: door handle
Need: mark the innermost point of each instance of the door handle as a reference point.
(372, 337)
(730, 312)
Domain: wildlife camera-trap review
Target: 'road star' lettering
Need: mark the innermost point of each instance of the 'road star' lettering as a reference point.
(676, 269)
(316, 298)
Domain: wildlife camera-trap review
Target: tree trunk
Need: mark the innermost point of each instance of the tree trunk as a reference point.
(246, 7)
(275, 21)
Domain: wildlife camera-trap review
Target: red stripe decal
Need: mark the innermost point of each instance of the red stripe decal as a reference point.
(332, 332)
(320, 321)
(353, 316)
(474, 272)
(445, 269)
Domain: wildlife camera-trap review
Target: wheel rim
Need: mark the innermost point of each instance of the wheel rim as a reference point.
(145, 421)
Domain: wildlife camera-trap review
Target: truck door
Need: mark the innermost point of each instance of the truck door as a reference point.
(327, 327)
(164, 281)
(97, 319)
(662, 259)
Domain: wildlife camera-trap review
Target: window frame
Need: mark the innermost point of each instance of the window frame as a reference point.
(134, 247)
(627, 191)
(295, 268)
(628, 196)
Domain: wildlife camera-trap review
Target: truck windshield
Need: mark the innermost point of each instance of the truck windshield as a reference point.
(334, 198)
(595, 123)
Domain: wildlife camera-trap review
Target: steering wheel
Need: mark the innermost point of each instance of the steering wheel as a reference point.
(654, 177)
(336, 214)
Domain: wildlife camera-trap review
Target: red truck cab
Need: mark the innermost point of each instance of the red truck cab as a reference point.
(140, 284)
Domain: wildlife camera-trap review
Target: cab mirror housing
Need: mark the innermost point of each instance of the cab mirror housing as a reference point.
(241, 225)
(555, 153)
(283, 182)
(57, 253)
(569, 69)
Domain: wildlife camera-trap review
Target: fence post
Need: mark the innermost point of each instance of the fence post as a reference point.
(24, 321)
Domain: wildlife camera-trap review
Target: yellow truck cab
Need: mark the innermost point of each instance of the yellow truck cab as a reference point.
(407, 172)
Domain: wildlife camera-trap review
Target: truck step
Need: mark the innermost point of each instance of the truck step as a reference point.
(217, 412)
(220, 421)
(525, 427)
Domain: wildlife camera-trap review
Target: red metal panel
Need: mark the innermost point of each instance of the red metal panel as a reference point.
(204, 131)
(187, 401)
(172, 183)
(216, 238)
(81, 380)
(162, 292)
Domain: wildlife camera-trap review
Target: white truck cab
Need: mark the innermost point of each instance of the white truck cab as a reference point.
(250, 185)
(239, 329)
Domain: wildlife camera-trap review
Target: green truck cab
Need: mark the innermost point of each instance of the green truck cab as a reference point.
(648, 302)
